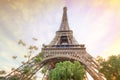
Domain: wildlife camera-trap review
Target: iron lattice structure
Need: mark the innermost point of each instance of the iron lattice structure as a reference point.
(63, 47)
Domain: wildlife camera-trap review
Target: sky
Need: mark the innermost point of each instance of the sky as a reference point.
(95, 23)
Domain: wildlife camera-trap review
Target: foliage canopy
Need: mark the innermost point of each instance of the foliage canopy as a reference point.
(67, 71)
(111, 68)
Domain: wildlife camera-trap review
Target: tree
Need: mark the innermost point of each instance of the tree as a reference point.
(111, 68)
(2, 72)
(14, 77)
(26, 69)
(67, 71)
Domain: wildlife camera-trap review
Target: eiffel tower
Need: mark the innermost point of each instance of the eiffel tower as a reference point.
(63, 47)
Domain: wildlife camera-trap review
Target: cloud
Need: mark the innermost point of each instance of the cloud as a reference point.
(95, 23)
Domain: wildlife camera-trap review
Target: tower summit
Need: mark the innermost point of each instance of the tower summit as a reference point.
(64, 23)
(64, 36)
